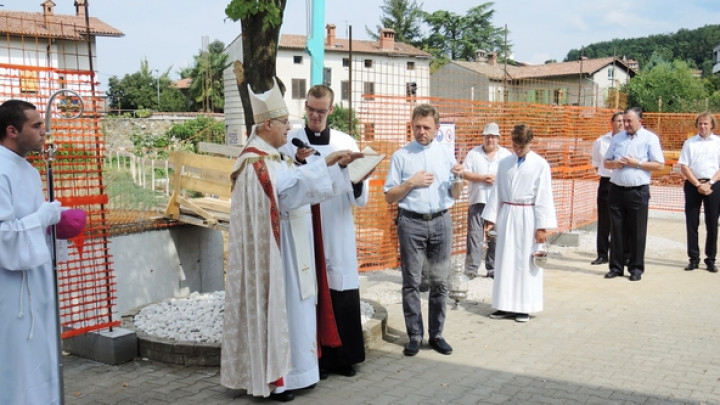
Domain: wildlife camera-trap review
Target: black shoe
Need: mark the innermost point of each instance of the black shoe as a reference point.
(613, 274)
(285, 396)
(712, 268)
(412, 348)
(490, 274)
(347, 371)
(323, 374)
(599, 260)
(501, 315)
(635, 277)
(470, 274)
(440, 345)
(692, 265)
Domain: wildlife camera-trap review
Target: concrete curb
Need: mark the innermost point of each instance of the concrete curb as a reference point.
(208, 354)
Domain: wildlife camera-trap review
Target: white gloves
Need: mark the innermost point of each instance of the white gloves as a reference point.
(49, 213)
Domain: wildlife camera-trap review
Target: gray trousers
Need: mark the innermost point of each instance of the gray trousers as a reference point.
(422, 241)
(475, 238)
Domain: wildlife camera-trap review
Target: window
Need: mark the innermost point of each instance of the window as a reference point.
(327, 76)
(410, 89)
(346, 62)
(297, 59)
(298, 89)
(368, 63)
(345, 90)
(29, 81)
(368, 88)
(611, 73)
(411, 66)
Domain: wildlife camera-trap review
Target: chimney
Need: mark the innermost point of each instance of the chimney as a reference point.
(492, 59)
(480, 56)
(330, 40)
(387, 39)
(80, 8)
(48, 10)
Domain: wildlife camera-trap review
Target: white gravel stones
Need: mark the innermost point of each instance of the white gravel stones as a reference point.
(196, 318)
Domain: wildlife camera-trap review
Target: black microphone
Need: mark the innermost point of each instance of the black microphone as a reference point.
(300, 144)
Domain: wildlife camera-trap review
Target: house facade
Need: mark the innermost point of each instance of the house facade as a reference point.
(716, 60)
(587, 82)
(382, 67)
(42, 52)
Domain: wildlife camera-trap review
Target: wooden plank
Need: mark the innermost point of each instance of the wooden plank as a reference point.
(208, 162)
(200, 185)
(218, 149)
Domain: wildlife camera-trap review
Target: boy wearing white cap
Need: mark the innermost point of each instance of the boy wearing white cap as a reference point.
(479, 169)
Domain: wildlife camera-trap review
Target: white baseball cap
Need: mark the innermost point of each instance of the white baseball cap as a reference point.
(491, 129)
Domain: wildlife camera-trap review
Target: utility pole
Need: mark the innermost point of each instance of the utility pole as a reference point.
(158, 88)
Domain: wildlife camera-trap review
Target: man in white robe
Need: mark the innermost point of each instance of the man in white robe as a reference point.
(269, 332)
(521, 201)
(338, 232)
(28, 318)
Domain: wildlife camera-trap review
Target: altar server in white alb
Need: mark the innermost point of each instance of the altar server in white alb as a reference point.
(28, 319)
(338, 232)
(269, 331)
(521, 210)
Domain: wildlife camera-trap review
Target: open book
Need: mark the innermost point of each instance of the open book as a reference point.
(359, 168)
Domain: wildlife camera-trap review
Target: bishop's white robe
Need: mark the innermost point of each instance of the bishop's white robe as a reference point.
(520, 203)
(28, 323)
(269, 329)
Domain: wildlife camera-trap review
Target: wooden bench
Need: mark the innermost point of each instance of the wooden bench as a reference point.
(200, 189)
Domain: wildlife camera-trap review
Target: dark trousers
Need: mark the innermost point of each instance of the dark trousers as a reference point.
(628, 225)
(424, 241)
(475, 239)
(711, 204)
(603, 218)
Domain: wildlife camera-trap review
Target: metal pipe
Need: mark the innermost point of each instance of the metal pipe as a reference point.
(50, 149)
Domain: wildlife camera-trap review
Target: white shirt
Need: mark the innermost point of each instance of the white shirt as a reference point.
(702, 156)
(477, 161)
(598, 154)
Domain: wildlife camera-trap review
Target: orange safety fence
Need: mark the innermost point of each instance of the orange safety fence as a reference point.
(564, 136)
(86, 280)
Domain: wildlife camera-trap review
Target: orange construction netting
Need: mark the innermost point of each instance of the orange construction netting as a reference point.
(563, 135)
(86, 280)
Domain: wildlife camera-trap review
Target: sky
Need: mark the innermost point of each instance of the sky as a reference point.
(168, 33)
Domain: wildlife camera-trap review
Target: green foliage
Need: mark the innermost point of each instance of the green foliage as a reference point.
(674, 84)
(692, 46)
(240, 9)
(207, 89)
(140, 91)
(338, 120)
(199, 129)
(403, 16)
(459, 37)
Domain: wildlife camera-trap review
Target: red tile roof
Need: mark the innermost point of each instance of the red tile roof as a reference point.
(360, 46)
(589, 66)
(57, 25)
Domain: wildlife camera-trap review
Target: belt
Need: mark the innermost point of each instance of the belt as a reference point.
(518, 204)
(703, 180)
(630, 187)
(424, 217)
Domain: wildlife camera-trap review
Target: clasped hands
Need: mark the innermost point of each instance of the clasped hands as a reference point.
(423, 178)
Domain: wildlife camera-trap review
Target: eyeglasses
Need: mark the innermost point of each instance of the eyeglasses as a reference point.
(311, 110)
(284, 121)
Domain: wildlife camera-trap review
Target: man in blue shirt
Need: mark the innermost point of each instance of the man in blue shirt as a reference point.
(632, 155)
(421, 180)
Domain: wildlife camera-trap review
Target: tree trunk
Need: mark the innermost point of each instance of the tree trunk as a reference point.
(259, 59)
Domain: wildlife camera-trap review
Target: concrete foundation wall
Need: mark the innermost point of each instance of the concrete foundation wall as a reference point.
(169, 263)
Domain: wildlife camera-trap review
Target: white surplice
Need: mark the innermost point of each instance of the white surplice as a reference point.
(338, 223)
(28, 325)
(520, 203)
(269, 331)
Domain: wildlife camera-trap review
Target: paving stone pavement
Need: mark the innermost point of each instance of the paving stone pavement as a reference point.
(598, 341)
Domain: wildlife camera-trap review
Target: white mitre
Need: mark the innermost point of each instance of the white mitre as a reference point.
(268, 105)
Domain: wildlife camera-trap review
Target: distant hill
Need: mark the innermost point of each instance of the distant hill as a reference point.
(692, 46)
